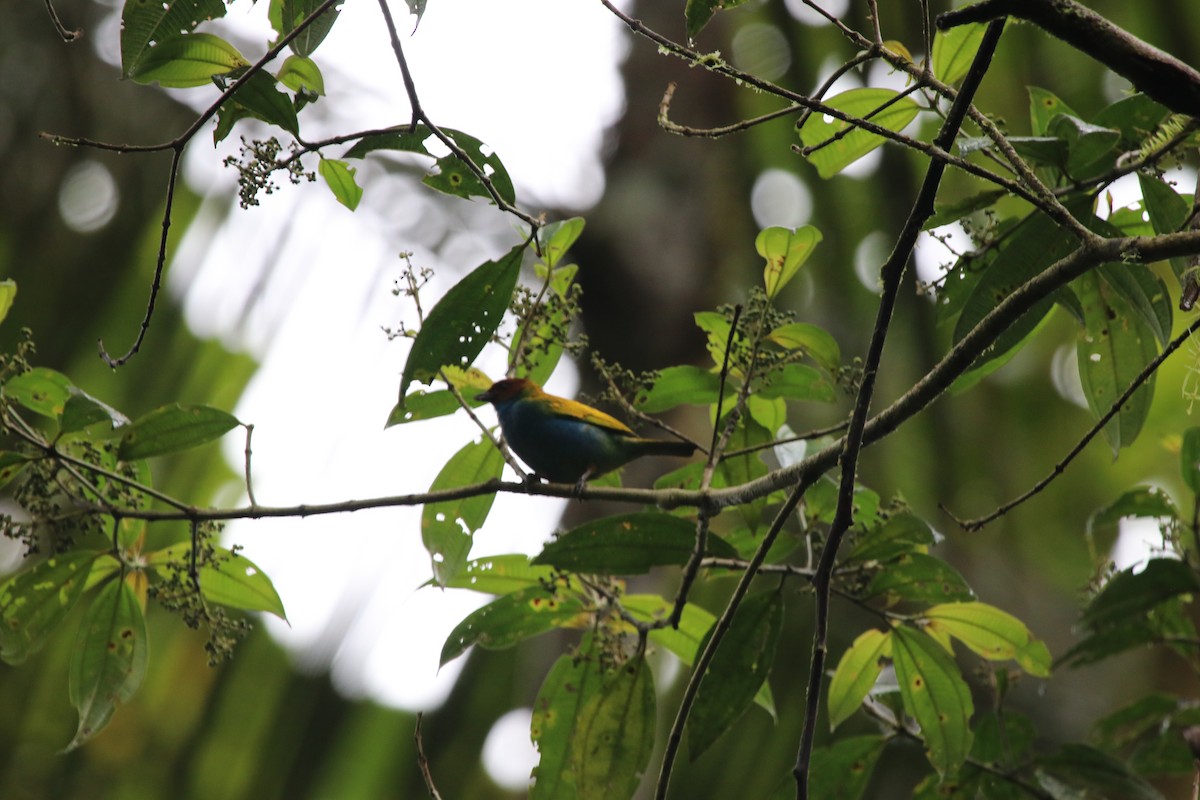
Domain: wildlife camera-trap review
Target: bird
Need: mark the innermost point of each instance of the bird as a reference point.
(565, 441)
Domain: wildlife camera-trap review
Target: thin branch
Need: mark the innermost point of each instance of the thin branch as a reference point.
(423, 761)
(665, 122)
(892, 272)
(249, 482)
(1061, 466)
(64, 33)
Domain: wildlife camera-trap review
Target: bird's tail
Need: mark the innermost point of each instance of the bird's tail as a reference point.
(658, 447)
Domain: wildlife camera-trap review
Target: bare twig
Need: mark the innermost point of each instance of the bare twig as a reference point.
(1061, 466)
(249, 483)
(423, 761)
(64, 33)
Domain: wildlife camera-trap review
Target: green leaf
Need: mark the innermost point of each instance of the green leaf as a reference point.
(917, 577)
(737, 670)
(991, 633)
(417, 9)
(684, 641)
(1043, 107)
(1109, 641)
(301, 74)
(615, 734)
(557, 238)
(173, 428)
(542, 347)
(1130, 593)
(856, 673)
(1189, 460)
(82, 410)
(510, 619)
(899, 534)
(786, 250)
(840, 153)
(815, 342)
(697, 13)
(146, 24)
(11, 466)
(936, 696)
(231, 580)
(628, 544)
(35, 600)
(339, 176)
(421, 405)
(186, 61)
(795, 382)
(259, 97)
(8, 295)
(293, 12)
(1046, 151)
(571, 684)
(954, 50)
(448, 527)
(1144, 292)
(1142, 501)
(842, 770)
(500, 575)
(1114, 346)
(1168, 211)
(675, 386)
(463, 321)
(1036, 244)
(109, 658)
(1092, 150)
(1135, 116)
(41, 390)
(455, 178)
(1086, 767)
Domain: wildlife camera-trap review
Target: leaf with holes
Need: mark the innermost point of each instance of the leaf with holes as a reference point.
(447, 527)
(848, 142)
(146, 24)
(572, 683)
(456, 178)
(615, 734)
(511, 619)
(34, 601)
(463, 321)
(187, 61)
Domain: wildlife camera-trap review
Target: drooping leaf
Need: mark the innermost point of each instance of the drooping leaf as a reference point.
(173, 428)
(697, 13)
(991, 633)
(1167, 210)
(456, 178)
(786, 250)
(840, 153)
(35, 600)
(843, 769)
(1145, 294)
(628, 544)
(1189, 460)
(557, 238)
(8, 295)
(463, 320)
(188, 60)
(301, 74)
(954, 50)
(448, 527)
(511, 619)
(146, 24)
(615, 734)
(1114, 346)
(108, 661)
(686, 640)
(856, 673)
(936, 696)
(82, 410)
(339, 177)
(260, 97)
(573, 682)
(293, 12)
(11, 466)
(737, 670)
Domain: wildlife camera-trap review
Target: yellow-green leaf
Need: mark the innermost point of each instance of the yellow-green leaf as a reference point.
(852, 142)
(856, 673)
(991, 633)
(786, 250)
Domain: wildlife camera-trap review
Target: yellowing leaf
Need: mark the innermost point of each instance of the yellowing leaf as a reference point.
(785, 250)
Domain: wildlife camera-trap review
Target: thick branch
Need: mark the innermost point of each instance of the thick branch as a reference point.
(1160, 75)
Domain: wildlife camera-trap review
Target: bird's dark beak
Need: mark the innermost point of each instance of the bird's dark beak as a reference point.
(484, 397)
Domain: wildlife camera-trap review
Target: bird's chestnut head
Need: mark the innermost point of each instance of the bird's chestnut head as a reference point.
(507, 390)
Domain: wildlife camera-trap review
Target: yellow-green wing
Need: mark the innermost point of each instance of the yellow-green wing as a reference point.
(576, 410)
